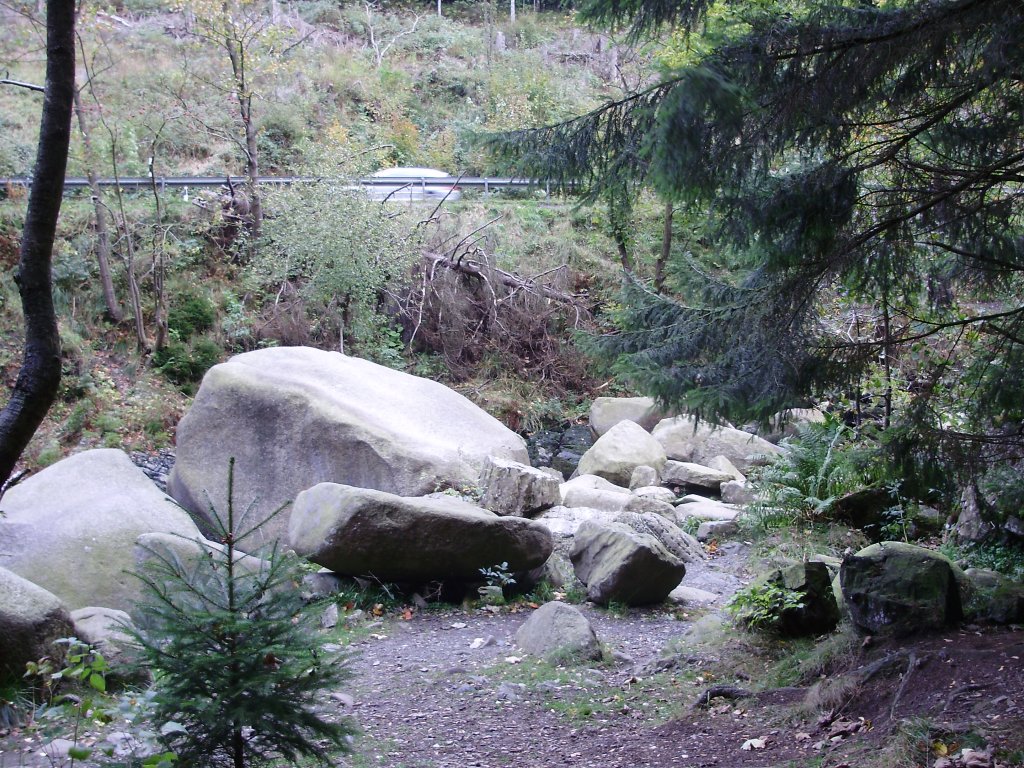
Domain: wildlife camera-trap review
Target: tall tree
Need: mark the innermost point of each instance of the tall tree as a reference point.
(847, 156)
(39, 378)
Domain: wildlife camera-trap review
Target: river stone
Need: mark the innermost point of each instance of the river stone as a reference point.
(694, 475)
(363, 532)
(705, 509)
(30, 620)
(619, 451)
(511, 488)
(618, 564)
(71, 528)
(293, 417)
(684, 439)
(559, 632)
(899, 589)
(606, 412)
(714, 529)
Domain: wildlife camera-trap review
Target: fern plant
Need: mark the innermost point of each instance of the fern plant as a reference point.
(238, 666)
(821, 464)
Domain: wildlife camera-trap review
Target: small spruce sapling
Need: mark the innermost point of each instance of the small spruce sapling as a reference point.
(236, 659)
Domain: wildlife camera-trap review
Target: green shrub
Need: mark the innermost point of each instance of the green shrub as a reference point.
(189, 314)
(185, 364)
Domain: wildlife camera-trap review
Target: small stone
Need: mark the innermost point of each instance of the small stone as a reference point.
(344, 699)
(483, 642)
(329, 619)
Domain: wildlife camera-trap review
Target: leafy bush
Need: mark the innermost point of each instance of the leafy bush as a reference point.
(189, 314)
(761, 605)
(185, 364)
(235, 655)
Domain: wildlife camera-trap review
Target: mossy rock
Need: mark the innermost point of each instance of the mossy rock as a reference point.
(989, 596)
(818, 612)
(893, 588)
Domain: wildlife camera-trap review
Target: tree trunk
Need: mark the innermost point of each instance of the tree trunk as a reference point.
(666, 250)
(102, 233)
(512, 11)
(39, 378)
(236, 55)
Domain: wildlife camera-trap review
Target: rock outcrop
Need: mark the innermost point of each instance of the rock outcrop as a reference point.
(512, 488)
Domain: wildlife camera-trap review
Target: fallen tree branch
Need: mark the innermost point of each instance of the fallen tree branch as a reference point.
(5, 80)
(470, 267)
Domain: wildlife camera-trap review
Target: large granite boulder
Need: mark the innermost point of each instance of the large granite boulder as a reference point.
(621, 450)
(606, 412)
(899, 589)
(71, 528)
(106, 629)
(30, 620)
(511, 488)
(293, 417)
(362, 532)
(686, 439)
(617, 563)
(560, 632)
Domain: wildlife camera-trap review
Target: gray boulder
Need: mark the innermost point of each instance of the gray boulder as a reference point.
(722, 464)
(991, 597)
(621, 450)
(655, 492)
(671, 536)
(30, 620)
(644, 476)
(362, 532)
(512, 488)
(105, 629)
(606, 412)
(713, 529)
(618, 564)
(688, 474)
(736, 492)
(899, 589)
(71, 528)
(293, 417)
(705, 509)
(818, 612)
(559, 631)
(684, 439)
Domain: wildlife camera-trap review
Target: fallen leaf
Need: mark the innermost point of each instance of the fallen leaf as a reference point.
(750, 744)
(940, 748)
(802, 737)
(378, 609)
(407, 614)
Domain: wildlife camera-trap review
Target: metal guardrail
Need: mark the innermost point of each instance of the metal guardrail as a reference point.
(486, 183)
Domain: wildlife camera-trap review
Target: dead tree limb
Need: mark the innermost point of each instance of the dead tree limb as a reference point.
(475, 268)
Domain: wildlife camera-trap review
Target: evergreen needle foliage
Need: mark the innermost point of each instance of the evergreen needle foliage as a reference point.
(238, 666)
(862, 164)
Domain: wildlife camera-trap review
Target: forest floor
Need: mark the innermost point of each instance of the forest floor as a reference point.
(444, 686)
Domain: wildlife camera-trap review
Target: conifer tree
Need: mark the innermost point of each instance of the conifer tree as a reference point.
(863, 163)
(239, 669)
